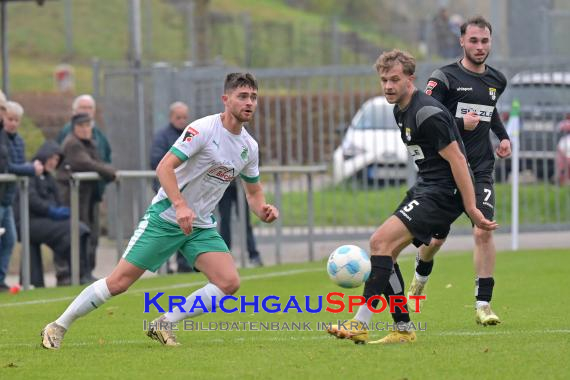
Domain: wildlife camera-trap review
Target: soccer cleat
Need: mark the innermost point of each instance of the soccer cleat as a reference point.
(352, 329)
(397, 337)
(417, 288)
(486, 317)
(160, 329)
(52, 335)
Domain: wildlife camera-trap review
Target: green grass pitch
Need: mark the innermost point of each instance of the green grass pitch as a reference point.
(532, 342)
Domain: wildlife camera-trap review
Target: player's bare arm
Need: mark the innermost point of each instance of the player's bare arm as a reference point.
(458, 163)
(165, 172)
(256, 199)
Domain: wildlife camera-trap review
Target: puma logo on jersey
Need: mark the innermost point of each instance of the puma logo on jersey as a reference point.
(216, 144)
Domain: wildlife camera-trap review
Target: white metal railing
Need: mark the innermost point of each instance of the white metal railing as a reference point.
(123, 175)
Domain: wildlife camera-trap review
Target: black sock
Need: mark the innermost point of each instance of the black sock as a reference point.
(395, 287)
(379, 277)
(484, 289)
(423, 268)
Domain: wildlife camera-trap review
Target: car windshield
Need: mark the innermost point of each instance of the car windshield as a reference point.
(538, 89)
(376, 116)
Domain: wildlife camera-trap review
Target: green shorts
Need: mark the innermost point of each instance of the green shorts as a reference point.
(156, 239)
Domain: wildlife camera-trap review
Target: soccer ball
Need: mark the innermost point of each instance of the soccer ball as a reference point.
(348, 266)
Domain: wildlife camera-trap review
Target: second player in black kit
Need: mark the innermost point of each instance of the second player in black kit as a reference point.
(462, 92)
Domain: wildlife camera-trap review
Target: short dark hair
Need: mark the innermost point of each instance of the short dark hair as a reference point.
(389, 58)
(235, 80)
(479, 21)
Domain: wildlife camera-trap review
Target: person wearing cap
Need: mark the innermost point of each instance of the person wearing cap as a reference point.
(81, 155)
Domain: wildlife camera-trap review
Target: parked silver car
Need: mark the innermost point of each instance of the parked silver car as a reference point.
(372, 149)
(545, 102)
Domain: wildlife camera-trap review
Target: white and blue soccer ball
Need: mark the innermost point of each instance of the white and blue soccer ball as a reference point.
(349, 266)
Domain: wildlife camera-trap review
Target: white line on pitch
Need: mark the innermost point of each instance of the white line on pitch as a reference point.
(176, 286)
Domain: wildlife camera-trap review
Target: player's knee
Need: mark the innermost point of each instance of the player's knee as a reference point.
(229, 285)
(376, 243)
(117, 285)
(437, 243)
(482, 236)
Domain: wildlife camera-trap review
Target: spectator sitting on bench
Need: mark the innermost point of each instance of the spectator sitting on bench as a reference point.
(50, 223)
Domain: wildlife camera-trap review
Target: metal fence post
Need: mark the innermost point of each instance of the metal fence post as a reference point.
(119, 224)
(310, 216)
(279, 226)
(74, 195)
(242, 225)
(23, 183)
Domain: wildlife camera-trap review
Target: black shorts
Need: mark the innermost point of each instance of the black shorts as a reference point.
(485, 194)
(428, 211)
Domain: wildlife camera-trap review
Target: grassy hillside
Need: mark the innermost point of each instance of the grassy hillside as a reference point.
(280, 36)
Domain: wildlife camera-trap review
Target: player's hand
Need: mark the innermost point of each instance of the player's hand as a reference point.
(269, 213)
(470, 121)
(185, 217)
(480, 221)
(504, 149)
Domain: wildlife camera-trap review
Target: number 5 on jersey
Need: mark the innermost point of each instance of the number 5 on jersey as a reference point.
(410, 206)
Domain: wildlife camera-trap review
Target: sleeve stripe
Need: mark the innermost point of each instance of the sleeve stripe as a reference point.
(178, 154)
(249, 179)
(439, 75)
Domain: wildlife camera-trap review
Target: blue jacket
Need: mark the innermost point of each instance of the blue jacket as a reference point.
(17, 165)
(163, 139)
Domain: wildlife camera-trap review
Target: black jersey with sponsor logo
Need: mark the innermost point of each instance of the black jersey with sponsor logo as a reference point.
(426, 127)
(462, 91)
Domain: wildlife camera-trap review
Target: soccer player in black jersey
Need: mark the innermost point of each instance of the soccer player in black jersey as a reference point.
(444, 191)
(470, 89)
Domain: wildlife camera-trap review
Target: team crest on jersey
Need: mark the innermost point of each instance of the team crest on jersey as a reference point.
(430, 86)
(244, 153)
(408, 134)
(493, 93)
(190, 133)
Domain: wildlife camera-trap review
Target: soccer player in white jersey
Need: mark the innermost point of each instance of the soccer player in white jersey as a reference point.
(194, 174)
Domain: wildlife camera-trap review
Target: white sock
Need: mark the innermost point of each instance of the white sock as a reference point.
(88, 300)
(479, 304)
(205, 294)
(422, 279)
(363, 314)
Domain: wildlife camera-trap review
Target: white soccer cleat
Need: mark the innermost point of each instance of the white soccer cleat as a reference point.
(52, 336)
(417, 288)
(485, 316)
(160, 329)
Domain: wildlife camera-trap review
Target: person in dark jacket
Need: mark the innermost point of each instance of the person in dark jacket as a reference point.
(50, 223)
(81, 155)
(161, 143)
(166, 136)
(16, 165)
(4, 160)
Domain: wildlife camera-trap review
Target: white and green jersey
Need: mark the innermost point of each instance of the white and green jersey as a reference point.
(212, 157)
